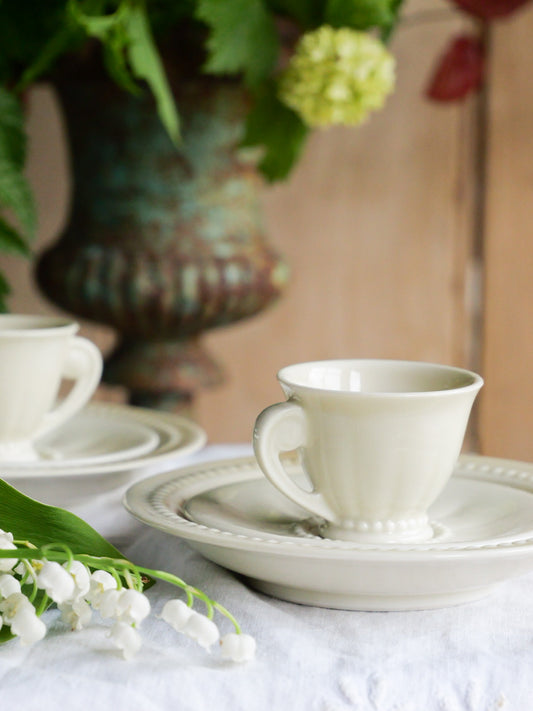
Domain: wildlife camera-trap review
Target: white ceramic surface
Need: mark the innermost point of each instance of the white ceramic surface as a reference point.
(36, 353)
(482, 528)
(378, 441)
(97, 464)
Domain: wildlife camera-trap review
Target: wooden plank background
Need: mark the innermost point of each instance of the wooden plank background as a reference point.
(378, 227)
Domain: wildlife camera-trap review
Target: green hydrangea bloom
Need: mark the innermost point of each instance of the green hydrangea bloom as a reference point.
(337, 76)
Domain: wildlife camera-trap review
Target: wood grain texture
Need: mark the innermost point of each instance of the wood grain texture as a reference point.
(506, 423)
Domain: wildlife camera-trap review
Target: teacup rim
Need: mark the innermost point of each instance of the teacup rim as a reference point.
(475, 384)
(35, 325)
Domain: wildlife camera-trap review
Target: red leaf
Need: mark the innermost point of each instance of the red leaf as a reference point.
(459, 71)
(489, 9)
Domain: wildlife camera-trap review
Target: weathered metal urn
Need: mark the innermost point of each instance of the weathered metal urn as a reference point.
(162, 244)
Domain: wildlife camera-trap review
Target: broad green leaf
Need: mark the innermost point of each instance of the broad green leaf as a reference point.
(242, 38)
(388, 28)
(30, 520)
(65, 38)
(12, 133)
(359, 14)
(117, 66)
(16, 195)
(146, 64)
(278, 130)
(309, 14)
(11, 241)
(5, 290)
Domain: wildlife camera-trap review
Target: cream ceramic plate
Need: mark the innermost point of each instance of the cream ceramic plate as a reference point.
(99, 464)
(103, 439)
(89, 439)
(482, 523)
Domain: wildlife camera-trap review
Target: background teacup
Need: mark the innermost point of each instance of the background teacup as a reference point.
(378, 440)
(36, 353)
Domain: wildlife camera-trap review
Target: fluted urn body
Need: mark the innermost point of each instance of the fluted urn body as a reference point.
(162, 243)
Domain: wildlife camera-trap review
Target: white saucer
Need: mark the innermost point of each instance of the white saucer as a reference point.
(88, 439)
(137, 439)
(483, 535)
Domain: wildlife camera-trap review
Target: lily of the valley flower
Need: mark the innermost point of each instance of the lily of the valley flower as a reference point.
(238, 647)
(100, 581)
(77, 613)
(114, 588)
(132, 606)
(189, 622)
(176, 613)
(56, 581)
(6, 543)
(126, 638)
(81, 577)
(20, 615)
(8, 585)
(201, 629)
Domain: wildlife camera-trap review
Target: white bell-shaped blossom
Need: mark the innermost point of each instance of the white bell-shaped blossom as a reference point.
(77, 613)
(8, 585)
(81, 577)
(132, 606)
(20, 615)
(126, 638)
(28, 627)
(100, 582)
(55, 581)
(177, 614)
(238, 647)
(108, 603)
(6, 543)
(201, 629)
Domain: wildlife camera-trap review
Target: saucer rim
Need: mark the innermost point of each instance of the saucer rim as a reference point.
(182, 437)
(139, 501)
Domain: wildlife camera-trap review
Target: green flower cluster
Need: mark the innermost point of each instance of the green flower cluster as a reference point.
(337, 76)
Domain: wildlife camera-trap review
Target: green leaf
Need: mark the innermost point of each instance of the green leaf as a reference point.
(278, 130)
(16, 195)
(12, 133)
(146, 64)
(41, 524)
(65, 38)
(5, 290)
(359, 14)
(11, 241)
(388, 28)
(307, 13)
(243, 38)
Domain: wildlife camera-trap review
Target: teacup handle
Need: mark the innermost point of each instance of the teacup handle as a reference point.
(83, 364)
(281, 428)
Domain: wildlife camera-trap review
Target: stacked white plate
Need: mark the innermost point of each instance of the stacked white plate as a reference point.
(99, 449)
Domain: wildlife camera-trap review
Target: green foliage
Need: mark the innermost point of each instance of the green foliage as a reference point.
(17, 221)
(359, 14)
(242, 38)
(30, 520)
(239, 38)
(279, 131)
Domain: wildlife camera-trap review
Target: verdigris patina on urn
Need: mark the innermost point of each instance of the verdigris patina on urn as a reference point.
(161, 243)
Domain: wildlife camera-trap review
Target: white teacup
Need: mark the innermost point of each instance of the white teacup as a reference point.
(378, 441)
(36, 353)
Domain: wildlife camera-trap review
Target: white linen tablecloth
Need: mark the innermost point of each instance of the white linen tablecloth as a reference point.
(472, 657)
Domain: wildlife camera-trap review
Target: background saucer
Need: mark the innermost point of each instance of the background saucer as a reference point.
(71, 483)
